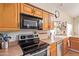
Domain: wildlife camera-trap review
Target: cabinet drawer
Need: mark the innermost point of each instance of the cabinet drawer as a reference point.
(27, 9)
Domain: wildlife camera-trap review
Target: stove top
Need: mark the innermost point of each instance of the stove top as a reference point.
(33, 48)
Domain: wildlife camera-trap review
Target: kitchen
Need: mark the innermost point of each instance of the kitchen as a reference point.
(33, 29)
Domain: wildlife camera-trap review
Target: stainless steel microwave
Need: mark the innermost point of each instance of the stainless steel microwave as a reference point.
(31, 22)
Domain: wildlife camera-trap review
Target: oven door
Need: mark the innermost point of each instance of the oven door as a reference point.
(39, 53)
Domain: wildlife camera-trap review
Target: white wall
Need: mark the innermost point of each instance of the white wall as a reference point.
(45, 6)
(76, 26)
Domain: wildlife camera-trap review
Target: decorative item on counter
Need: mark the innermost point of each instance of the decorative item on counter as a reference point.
(4, 38)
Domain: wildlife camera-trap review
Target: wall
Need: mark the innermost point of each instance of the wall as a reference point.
(65, 17)
(51, 7)
(76, 26)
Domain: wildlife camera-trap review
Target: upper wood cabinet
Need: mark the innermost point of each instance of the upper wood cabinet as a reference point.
(45, 20)
(31, 10)
(51, 21)
(38, 12)
(9, 15)
(65, 46)
(27, 9)
(53, 49)
(34, 11)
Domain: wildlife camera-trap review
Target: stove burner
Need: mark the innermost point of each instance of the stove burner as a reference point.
(30, 49)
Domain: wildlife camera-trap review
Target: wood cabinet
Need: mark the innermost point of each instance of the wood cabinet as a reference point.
(48, 23)
(27, 9)
(74, 43)
(9, 15)
(65, 46)
(51, 21)
(31, 10)
(45, 21)
(34, 11)
(53, 49)
(38, 12)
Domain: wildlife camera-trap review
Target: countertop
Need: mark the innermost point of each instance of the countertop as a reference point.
(15, 50)
(50, 42)
(75, 35)
(11, 51)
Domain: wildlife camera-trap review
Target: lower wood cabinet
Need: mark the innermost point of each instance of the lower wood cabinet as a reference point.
(65, 46)
(59, 48)
(74, 43)
(53, 49)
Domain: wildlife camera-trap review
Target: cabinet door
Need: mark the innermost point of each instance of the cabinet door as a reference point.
(65, 46)
(8, 16)
(53, 49)
(26, 9)
(45, 20)
(38, 12)
(74, 43)
(51, 22)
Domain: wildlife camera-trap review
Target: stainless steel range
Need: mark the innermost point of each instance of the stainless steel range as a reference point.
(31, 45)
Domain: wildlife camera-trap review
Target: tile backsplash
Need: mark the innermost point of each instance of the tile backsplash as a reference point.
(14, 35)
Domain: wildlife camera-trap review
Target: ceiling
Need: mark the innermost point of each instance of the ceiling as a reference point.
(72, 9)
